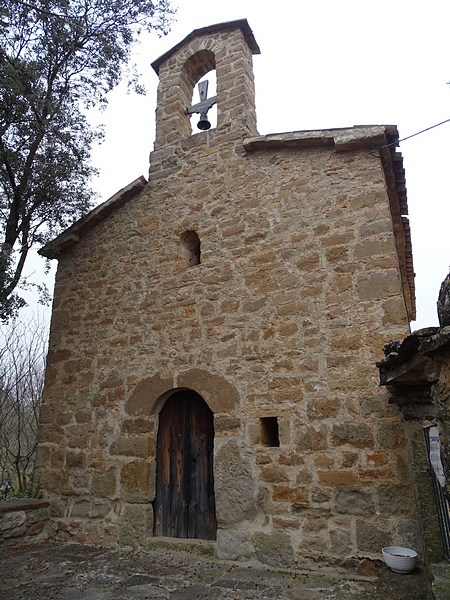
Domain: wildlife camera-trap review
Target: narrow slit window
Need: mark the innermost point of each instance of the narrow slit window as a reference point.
(190, 248)
(269, 432)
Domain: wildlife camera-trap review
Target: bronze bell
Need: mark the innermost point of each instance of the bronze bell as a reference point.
(204, 124)
(203, 106)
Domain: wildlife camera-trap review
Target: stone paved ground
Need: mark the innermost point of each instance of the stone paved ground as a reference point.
(67, 572)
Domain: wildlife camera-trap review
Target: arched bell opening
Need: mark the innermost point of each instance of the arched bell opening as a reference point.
(184, 506)
(199, 74)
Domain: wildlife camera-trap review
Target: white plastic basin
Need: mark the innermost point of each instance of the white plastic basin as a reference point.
(400, 560)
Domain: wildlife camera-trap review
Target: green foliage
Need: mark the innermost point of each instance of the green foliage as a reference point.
(29, 491)
(56, 57)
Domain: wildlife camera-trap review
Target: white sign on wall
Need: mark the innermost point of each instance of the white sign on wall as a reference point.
(435, 455)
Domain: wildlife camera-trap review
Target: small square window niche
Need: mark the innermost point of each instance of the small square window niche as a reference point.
(269, 432)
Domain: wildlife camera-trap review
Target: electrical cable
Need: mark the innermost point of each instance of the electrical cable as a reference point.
(396, 142)
(418, 133)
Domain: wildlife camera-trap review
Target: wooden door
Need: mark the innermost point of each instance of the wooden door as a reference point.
(184, 506)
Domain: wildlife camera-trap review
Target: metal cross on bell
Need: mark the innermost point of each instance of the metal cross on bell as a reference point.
(203, 106)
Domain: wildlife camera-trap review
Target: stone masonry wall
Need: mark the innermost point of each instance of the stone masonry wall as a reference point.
(27, 520)
(417, 371)
(296, 291)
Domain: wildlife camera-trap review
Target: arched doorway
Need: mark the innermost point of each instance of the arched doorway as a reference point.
(184, 505)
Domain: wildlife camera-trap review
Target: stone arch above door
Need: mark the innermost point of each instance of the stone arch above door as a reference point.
(148, 396)
(145, 399)
(219, 393)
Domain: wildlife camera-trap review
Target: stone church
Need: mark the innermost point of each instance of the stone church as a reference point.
(211, 372)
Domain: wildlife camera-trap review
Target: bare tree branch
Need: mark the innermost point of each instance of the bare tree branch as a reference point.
(22, 363)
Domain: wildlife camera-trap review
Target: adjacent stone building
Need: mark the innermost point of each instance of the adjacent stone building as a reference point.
(211, 372)
(416, 370)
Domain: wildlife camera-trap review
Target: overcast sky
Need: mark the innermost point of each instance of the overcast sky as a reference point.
(325, 64)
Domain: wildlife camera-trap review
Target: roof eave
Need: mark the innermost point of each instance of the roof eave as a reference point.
(239, 23)
(72, 234)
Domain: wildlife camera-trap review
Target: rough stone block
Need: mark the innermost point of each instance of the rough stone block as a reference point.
(15, 532)
(285, 493)
(234, 544)
(51, 433)
(396, 500)
(220, 395)
(349, 459)
(82, 416)
(324, 461)
(12, 520)
(358, 435)
(315, 524)
(81, 482)
(104, 484)
(315, 543)
(145, 394)
(311, 438)
(378, 285)
(100, 509)
(75, 460)
(81, 508)
(371, 537)
(274, 549)
(135, 446)
(394, 311)
(338, 478)
(323, 408)
(46, 414)
(53, 481)
(321, 495)
(36, 528)
(354, 502)
(137, 481)
(226, 424)
(390, 434)
(273, 474)
(303, 477)
(284, 431)
(136, 426)
(291, 458)
(38, 514)
(59, 507)
(285, 523)
(136, 524)
(379, 226)
(341, 541)
(234, 486)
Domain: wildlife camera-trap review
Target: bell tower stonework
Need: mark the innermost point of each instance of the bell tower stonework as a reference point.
(228, 49)
(231, 309)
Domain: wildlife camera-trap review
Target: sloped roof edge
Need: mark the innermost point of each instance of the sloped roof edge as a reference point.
(70, 236)
(239, 23)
